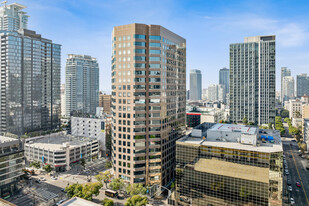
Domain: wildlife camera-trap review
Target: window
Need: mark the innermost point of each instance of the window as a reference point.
(138, 43)
(155, 37)
(140, 58)
(155, 65)
(151, 44)
(139, 36)
(155, 51)
(140, 51)
(154, 58)
(138, 65)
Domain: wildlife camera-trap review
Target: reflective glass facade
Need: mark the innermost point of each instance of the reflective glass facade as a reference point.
(82, 84)
(208, 175)
(30, 82)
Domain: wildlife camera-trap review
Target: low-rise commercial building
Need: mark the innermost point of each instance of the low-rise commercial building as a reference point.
(11, 165)
(225, 164)
(60, 151)
(294, 106)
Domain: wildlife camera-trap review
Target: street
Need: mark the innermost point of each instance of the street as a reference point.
(297, 173)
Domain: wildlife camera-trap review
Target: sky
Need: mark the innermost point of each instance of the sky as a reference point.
(209, 26)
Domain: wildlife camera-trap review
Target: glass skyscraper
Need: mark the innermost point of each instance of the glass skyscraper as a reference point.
(253, 80)
(82, 84)
(224, 79)
(148, 102)
(195, 84)
(30, 76)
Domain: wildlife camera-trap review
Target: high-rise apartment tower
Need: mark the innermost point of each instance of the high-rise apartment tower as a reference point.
(105, 101)
(81, 84)
(224, 79)
(302, 88)
(284, 73)
(287, 91)
(253, 80)
(30, 75)
(195, 84)
(148, 102)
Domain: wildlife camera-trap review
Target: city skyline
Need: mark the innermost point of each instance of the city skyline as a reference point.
(228, 27)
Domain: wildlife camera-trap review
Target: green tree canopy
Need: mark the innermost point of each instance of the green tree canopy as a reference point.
(108, 164)
(104, 177)
(284, 113)
(35, 164)
(82, 162)
(48, 168)
(117, 184)
(136, 189)
(245, 120)
(85, 191)
(303, 147)
(136, 200)
(107, 202)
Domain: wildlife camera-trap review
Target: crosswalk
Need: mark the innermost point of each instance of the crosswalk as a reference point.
(47, 195)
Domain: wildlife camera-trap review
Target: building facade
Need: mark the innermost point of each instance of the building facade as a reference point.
(62, 98)
(30, 80)
(253, 80)
(60, 151)
(105, 101)
(90, 127)
(224, 79)
(11, 164)
(195, 84)
(81, 84)
(225, 164)
(288, 90)
(285, 72)
(294, 106)
(148, 101)
(216, 92)
(302, 87)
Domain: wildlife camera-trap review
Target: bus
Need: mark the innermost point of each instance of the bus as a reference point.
(111, 193)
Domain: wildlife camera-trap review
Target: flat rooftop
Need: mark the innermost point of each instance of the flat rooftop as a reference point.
(7, 139)
(76, 201)
(223, 168)
(56, 141)
(234, 128)
(261, 146)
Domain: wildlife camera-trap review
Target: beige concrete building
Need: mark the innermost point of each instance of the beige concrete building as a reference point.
(148, 102)
(105, 101)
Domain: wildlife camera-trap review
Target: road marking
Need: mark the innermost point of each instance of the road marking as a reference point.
(301, 182)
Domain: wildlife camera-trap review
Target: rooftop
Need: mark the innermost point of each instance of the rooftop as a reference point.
(230, 169)
(233, 136)
(7, 139)
(76, 201)
(57, 141)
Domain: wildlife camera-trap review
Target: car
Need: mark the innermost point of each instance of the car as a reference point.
(292, 201)
(289, 182)
(63, 190)
(42, 179)
(298, 184)
(283, 156)
(300, 154)
(59, 203)
(54, 178)
(290, 156)
(293, 140)
(38, 181)
(290, 188)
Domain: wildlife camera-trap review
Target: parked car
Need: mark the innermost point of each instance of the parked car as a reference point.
(289, 182)
(38, 181)
(286, 172)
(54, 178)
(292, 201)
(290, 156)
(290, 188)
(298, 184)
(42, 179)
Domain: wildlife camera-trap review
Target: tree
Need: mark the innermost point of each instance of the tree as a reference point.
(251, 123)
(293, 130)
(107, 202)
(284, 113)
(303, 147)
(35, 164)
(117, 184)
(270, 125)
(108, 164)
(48, 168)
(82, 162)
(297, 114)
(245, 120)
(136, 189)
(287, 120)
(104, 177)
(85, 191)
(136, 200)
